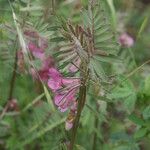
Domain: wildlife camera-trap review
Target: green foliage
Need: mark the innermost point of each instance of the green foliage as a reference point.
(117, 107)
(124, 91)
(147, 86)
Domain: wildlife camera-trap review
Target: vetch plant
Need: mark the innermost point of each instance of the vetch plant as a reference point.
(81, 55)
(64, 81)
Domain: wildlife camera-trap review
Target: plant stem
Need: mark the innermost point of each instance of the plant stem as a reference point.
(95, 134)
(13, 79)
(82, 97)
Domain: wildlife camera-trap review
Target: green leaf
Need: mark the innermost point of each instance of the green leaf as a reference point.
(33, 102)
(136, 119)
(44, 131)
(97, 69)
(34, 8)
(113, 12)
(146, 113)
(147, 86)
(124, 91)
(108, 59)
(49, 99)
(143, 25)
(79, 147)
(140, 133)
(97, 20)
(57, 39)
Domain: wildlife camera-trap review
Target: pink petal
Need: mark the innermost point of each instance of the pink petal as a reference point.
(47, 62)
(67, 81)
(68, 125)
(54, 84)
(43, 74)
(63, 109)
(126, 40)
(54, 73)
(64, 101)
(74, 106)
(37, 52)
(58, 99)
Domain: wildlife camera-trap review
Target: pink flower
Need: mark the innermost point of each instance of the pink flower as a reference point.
(36, 51)
(68, 125)
(43, 74)
(54, 84)
(64, 89)
(63, 101)
(47, 62)
(54, 73)
(126, 40)
(71, 117)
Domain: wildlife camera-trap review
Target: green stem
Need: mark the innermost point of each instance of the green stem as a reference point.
(95, 134)
(13, 78)
(82, 97)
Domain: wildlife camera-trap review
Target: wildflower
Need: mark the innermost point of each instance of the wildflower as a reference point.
(36, 51)
(68, 125)
(71, 117)
(46, 62)
(64, 89)
(126, 40)
(13, 105)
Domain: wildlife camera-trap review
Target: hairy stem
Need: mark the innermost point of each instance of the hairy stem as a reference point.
(82, 97)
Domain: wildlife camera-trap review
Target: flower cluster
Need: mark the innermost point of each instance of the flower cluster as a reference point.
(126, 40)
(37, 46)
(64, 89)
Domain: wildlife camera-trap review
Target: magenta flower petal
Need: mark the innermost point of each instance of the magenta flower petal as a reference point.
(58, 99)
(67, 81)
(68, 125)
(54, 73)
(47, 63)
(54, 84)
(63, 109)
(74, 106)
(64, 101)
(126, 40)
(36, 52)
(43, 74)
